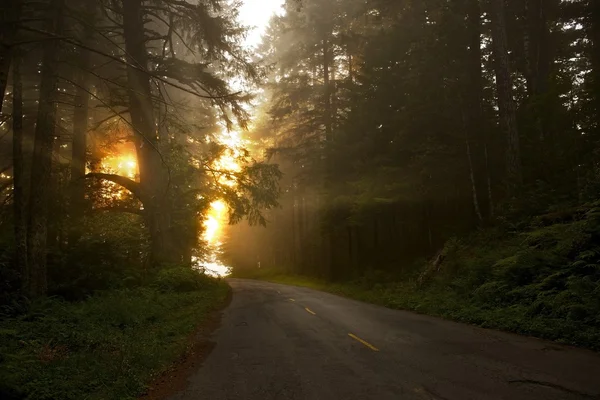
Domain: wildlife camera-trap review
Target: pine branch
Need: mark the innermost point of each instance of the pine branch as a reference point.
(123, 62)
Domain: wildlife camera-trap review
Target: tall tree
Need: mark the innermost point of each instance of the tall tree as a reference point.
(9, 23)
(153, 178)
(42, 158)
(80, 127)
(506, 101)
(20, 200)
(593, 20)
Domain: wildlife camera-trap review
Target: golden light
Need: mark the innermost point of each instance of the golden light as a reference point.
(121, 164)
(121, 161)
(216, 218)
(124, 162)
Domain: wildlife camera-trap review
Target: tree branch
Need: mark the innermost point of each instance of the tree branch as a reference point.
(127, 210)
(127, 183)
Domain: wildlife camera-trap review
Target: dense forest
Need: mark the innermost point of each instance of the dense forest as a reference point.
(447, 146)
(433, 155)
(111, 117)
(400, 124)
(115, 145)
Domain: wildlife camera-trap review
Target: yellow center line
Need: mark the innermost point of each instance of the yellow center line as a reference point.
(369, 345)
(310, 311)
(292, 300)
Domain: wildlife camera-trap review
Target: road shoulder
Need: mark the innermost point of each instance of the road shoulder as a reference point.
(200, 345)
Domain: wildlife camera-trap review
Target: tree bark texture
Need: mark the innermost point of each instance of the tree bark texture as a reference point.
(19, 179)
(594, 15)
(9, 17)
(475, 129)
(506, 102)
(79, 144)
(41, 167)
(153, 179)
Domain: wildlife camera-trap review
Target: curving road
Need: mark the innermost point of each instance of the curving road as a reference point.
(284, 342)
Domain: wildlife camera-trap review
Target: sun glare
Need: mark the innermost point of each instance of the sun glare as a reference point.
(214, 221)
(121, 164)
(216, 218)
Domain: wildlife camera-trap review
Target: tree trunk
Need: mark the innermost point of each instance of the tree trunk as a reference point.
(42, 160)
(9, 17)
(473, 181)
(490, 193)
(538, 58)
(153, 179)
(19, 193)
(594, 14)
(328, 121)
(478, 128)
(327, 86)
(473, 121)
(79, 145)
(506, 102)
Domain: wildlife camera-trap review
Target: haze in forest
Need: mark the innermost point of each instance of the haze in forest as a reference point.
(437, 156)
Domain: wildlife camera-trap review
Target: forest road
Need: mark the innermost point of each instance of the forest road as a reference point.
(284, 342)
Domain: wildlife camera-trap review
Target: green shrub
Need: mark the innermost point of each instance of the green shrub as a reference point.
(107, 347)
(181, 279)
(107, 256)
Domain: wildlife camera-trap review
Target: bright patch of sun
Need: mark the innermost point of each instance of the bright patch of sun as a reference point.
(214, 222)
(121, 164)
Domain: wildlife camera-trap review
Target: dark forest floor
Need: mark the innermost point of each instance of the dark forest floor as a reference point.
(111, 346)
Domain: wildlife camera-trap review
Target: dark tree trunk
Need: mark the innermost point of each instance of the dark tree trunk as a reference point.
(9, 17)
(327, 83)
(474, 123)
(328, 121)
(594, 15)
(19, 179)
(474, 193)
(478, 128)
(538, 59)
(41, 168)
(153, 179)
(506, 102)
(79, 145)
(539, 54)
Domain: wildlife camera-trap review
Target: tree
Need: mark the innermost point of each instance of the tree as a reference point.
(506, 103)
(9, 17)
(37, 228)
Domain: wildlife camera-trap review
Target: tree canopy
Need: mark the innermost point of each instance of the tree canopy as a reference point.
(118, 107)
(399, 124)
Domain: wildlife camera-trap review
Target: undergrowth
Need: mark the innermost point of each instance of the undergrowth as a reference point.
(542, 279)
(109, 346)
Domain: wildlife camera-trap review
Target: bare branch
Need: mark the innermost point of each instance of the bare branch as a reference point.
(127, 210)
(131, 185)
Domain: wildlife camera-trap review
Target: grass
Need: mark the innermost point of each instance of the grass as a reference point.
(107, 347)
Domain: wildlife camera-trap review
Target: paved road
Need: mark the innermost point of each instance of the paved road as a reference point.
(283, 342)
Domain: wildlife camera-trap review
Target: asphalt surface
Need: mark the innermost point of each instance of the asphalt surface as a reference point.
(284, 342)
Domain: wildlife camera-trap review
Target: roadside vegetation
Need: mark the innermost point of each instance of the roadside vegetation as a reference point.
(440, 157)
(538, 278)
(120, 138)
(109, 346)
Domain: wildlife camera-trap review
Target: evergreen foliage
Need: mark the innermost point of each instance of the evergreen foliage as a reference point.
(401, 124)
